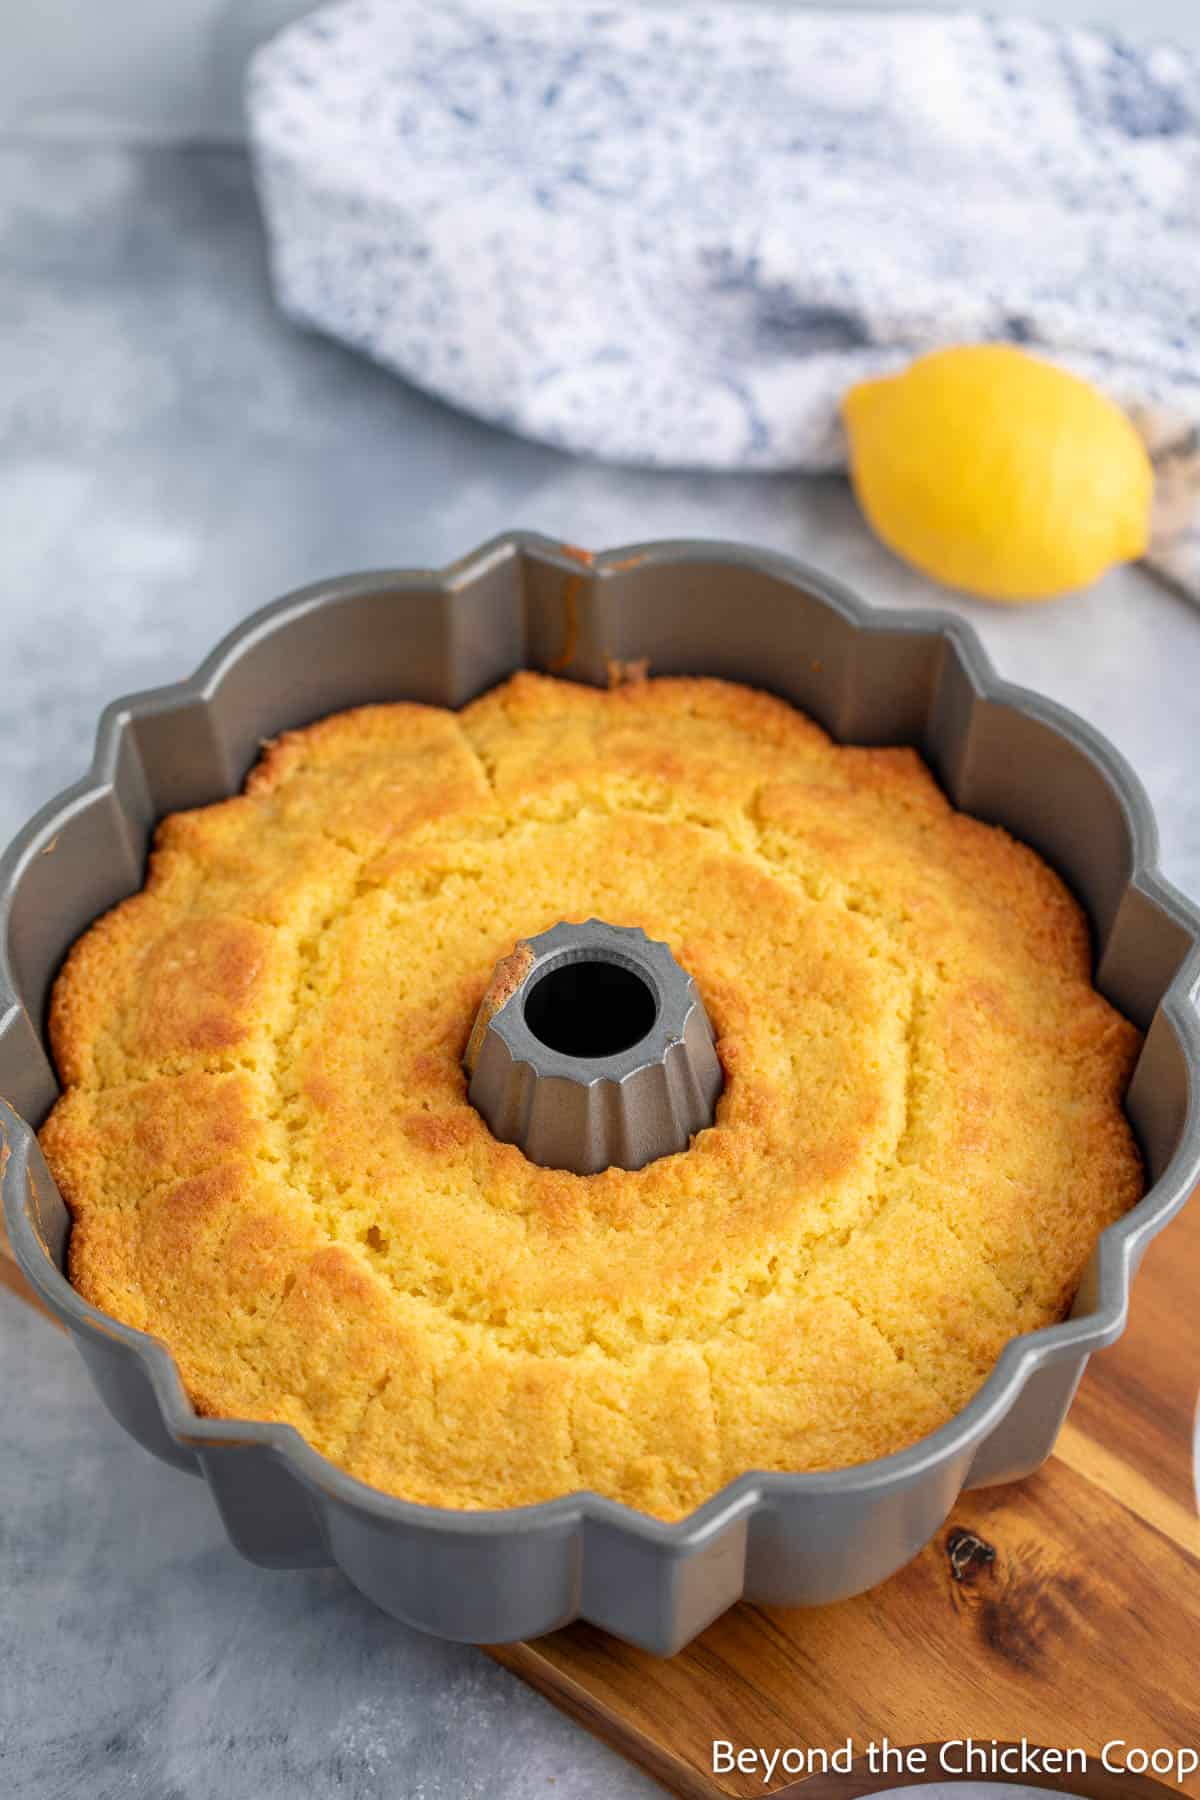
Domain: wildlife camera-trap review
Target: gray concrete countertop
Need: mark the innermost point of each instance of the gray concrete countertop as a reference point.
(171, 455)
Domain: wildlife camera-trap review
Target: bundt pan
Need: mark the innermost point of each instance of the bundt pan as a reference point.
(701, 608)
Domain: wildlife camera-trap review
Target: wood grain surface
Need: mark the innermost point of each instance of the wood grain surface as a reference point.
(1064, 1610)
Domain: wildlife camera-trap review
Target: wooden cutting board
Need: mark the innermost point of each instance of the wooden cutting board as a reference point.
(1064, 1610)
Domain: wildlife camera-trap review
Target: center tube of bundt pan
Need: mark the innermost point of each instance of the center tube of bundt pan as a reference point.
(592, 1049)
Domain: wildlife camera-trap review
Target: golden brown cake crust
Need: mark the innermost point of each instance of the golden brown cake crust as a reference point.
(272, 1164)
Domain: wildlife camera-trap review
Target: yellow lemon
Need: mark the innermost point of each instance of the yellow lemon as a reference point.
(995, 472)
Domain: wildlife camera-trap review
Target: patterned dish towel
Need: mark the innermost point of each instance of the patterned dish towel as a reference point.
(676, 237)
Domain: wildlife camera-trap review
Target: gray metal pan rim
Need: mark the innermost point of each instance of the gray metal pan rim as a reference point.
(1120, 1244)
(529, 1052)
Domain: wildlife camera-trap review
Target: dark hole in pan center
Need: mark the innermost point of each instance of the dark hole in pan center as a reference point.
(590, 1007)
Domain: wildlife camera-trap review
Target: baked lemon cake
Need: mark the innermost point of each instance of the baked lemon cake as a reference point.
(272, 1164)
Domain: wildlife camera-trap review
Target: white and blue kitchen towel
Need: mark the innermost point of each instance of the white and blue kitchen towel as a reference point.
(675, 237)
